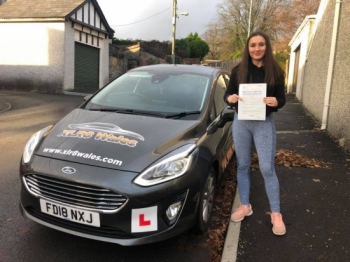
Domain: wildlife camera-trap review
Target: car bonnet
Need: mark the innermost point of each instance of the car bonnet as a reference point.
(113, 140)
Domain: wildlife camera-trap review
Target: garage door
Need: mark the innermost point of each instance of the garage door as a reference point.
(87, 69)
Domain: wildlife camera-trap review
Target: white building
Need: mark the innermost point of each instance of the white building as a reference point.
(319, 68)
(53, 45)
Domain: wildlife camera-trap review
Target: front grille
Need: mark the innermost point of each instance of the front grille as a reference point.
(103, 231)
(73, 193)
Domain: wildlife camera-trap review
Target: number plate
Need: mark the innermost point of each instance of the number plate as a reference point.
(72, 214)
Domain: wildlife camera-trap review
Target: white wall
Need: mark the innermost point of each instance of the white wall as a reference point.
(68, 82)
(32, 56)
(104, 63)
(40, 57)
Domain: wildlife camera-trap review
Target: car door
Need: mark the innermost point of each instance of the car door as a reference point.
(220, 142)
(225, 144)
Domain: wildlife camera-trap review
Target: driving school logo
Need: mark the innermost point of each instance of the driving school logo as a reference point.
(102, 132)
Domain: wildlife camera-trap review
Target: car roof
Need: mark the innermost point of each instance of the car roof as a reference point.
(198, 69)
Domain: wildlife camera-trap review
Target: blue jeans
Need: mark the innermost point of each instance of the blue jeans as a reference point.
(263, 134)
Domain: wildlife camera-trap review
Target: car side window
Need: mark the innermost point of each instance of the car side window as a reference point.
(227, 79)
(220, 90)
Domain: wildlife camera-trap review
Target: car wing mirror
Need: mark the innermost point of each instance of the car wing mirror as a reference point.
(226, 116)
(86, 98)
(212, 128)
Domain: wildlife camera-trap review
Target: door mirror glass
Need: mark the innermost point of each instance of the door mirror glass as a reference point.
(226, 116)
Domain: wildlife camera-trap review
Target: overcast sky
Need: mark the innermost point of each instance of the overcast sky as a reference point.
(152, 19)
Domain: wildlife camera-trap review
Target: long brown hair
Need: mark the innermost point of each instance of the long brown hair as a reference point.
(274, 74)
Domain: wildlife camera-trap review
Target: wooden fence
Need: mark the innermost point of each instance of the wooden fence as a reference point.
(225, 64)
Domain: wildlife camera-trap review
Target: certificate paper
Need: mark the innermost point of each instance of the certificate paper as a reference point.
(252, 107)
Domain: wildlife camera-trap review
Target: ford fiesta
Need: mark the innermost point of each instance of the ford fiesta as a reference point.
(137, 162)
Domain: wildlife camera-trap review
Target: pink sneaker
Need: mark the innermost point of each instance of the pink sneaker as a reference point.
(278, 227)
(241, 212)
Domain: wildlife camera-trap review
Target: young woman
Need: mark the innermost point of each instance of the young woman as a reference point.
(257, 66)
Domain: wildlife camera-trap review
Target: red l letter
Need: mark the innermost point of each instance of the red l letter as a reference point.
(144, 222)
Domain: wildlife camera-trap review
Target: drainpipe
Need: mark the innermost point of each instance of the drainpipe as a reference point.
(331, 65)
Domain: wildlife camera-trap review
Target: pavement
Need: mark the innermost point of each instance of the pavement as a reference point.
(315, 202)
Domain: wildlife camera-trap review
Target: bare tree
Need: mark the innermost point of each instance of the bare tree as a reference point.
(277, 18)
(219, 44)
(291, 17)
(303, 8)
(235, 20)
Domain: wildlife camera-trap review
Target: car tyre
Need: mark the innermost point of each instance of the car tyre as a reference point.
(206, 203)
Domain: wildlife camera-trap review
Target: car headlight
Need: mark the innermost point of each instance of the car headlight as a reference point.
(32, 143)
(168, 169)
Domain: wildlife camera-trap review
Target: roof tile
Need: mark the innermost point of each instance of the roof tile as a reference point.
(38, 8)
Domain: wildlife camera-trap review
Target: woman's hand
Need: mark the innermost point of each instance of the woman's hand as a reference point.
(271, 101)
(232, 99)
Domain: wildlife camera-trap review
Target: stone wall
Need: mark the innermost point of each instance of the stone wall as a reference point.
(117, 62)
(339, 117)
(149, 59)
(191, 61)
(316, 72)
(141, 55)
(162, 47)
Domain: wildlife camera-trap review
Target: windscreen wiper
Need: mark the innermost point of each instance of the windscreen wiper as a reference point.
(141, 112)
(105, 109)
(129, 111)
(182, 114)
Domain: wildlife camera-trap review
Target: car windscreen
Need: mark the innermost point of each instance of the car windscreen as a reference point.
(149, 91)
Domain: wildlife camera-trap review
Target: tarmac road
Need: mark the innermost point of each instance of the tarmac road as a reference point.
(22, 240)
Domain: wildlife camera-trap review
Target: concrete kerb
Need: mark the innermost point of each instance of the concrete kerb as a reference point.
(75, 93)
(229, 253)
(4, 106)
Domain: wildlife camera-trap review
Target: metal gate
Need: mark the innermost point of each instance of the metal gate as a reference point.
(86, 68)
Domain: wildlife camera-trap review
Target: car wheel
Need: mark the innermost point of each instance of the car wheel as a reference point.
(206, 203)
